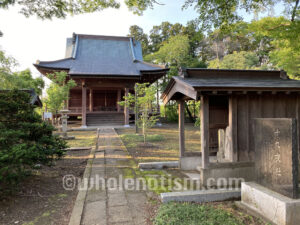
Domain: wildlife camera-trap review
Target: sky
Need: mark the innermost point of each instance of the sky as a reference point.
(32, 39)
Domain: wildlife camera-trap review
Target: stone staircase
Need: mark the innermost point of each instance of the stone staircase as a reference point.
(105, 119)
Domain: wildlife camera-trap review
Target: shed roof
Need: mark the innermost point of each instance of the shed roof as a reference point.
(92, 55)
(193, 81)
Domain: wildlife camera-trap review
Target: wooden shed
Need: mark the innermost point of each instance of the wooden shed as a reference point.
(230, 100)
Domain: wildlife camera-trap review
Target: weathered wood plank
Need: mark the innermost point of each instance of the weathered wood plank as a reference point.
(181, 104)
(233, 127)
(204, 121)
(126, 109)
(83, 106)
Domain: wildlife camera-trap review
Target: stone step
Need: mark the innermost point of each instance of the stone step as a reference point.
(200, 196)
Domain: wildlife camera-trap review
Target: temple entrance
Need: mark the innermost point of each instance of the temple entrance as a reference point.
(105, 100)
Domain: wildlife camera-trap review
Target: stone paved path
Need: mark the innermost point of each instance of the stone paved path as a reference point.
(106, 206)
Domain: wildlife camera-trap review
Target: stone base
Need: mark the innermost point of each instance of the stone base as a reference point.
(127, 125)
(229, 174)
(271, 205)
(158, 165)
(68, 137)
(214, 195)
(193, 161)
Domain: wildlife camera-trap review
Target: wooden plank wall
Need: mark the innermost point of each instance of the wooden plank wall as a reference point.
(279, 105)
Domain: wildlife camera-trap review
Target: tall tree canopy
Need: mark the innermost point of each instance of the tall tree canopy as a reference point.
(17, 80)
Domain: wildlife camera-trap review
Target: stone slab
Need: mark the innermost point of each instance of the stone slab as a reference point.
(159, 165)
(273, 206)
(119, 214)
(276, 155)
(117, 199)
(94, 213)
(201, 196)
(78, 148)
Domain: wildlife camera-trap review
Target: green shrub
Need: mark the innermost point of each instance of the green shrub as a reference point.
(171, 112)
(25, 140)
(188, 214)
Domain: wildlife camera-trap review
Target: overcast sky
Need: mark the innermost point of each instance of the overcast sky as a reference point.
(30, 39)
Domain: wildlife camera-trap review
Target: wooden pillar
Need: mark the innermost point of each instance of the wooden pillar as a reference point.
(119, 100)
(126, 109)
(91, 106)
(233, 127)
(157, 98)
(181, 127)
(204, 131)
(83, 115)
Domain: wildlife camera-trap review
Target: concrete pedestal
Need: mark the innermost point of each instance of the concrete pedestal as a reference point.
(270, 205)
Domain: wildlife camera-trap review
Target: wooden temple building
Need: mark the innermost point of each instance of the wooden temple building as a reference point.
(230, 100)
(105, 69)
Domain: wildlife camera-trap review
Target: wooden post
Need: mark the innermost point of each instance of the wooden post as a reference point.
(91, 100)
(204, 131)
(136, 111)
(181, 127)
(83, 115)
(119, 100)
(233, 127)
(157, 98)
(126, 109)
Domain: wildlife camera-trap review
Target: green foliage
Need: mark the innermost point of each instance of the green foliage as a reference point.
(25, 140)
(171, 112)
(220, 14)
(237, 60)
(47, 9)
(18, 80)
(285, 39)
(187, 213)
(174, 52)
(143, 104)
(58, 92)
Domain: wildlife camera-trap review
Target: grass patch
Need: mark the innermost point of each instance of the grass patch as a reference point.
(129, 138)
(83, 138)
(187, 214)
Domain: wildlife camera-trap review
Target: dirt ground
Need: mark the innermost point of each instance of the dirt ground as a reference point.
(41, 198)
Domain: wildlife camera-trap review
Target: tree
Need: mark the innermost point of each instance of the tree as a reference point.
(143, 103)
(237, 60)
(284, 35)
(17, 80)
(58, 92)
(139, 35)
(220, 14)
(25, 140)
(47, 9)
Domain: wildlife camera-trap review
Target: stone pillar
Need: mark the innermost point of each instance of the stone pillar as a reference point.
(119, 100)
(91, 106)
(83, 115)
(204, 131)
(126, 110)
(181, 127)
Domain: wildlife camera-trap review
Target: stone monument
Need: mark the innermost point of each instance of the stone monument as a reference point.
(274, 194)
(276, 155)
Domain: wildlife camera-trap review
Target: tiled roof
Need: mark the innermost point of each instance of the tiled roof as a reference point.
(101, 55)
